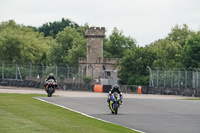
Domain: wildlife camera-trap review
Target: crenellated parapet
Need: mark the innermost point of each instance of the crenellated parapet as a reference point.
(82, 60)
(111, 60)
(95, 32)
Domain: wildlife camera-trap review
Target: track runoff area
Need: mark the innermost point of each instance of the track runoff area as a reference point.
(142, 113)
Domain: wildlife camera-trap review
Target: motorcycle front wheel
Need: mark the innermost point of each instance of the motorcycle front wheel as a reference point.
(116, 107)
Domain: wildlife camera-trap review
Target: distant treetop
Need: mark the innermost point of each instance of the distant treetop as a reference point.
(52, 28)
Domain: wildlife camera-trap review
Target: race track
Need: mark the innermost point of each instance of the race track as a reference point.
(147, 115)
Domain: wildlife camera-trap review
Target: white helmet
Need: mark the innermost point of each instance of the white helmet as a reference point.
(116, 86)
(51, 75)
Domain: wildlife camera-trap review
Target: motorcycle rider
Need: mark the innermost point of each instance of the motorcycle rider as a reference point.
(114, 89)
(48, 78)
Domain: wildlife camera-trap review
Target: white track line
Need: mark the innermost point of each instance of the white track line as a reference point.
(85, 114)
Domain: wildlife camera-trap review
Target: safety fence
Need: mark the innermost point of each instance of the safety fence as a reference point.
(161, 81)
(36, 72)
(129, 89)
(179, 81)
(29, 75)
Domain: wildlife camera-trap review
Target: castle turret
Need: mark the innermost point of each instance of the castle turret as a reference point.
(94, 65)
(95, 44)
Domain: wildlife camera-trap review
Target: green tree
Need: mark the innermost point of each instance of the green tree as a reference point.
(167, 53)
(179, 49)
(117, 44)
(133, 66)
(191, 51)
(69, 45)
(53, 28)
(180, 35)
(22, 44)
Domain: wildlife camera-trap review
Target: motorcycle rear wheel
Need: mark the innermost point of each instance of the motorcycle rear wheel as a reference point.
(50, 92)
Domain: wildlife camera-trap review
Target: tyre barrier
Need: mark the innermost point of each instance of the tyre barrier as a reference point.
(98, 88)
(139, 89)
(102, 88)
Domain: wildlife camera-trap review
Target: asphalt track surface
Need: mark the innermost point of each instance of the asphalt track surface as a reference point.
(146, 115)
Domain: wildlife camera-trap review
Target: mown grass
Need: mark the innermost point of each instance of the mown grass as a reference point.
(190, 99)
(21, 113)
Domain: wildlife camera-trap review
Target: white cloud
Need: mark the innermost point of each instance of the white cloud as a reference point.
(144, 20)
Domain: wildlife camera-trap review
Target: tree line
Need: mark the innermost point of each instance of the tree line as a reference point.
(63, 42)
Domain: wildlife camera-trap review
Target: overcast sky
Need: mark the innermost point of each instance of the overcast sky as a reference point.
(143, 20)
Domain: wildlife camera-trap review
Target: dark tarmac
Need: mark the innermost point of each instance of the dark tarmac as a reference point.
(146, 115)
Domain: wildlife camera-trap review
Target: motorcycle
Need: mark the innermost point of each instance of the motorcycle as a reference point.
(115, 102)
(51, 85)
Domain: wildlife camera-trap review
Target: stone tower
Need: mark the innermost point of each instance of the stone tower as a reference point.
(95, 44)
(92, 65)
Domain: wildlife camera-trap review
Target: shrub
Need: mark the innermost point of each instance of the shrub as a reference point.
(87, 79)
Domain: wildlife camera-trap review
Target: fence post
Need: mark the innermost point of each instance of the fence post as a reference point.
(92, 72)
(185, 77)
(80, 73)
(67, 71)
(42, 73)
(178, 78)
(164, 75)
(2, 69)
(193, 79)
(150, 77)
(30, 71)
(156, 76)
(172, 75)
(56, 70)
(17, 69)
(196, 86)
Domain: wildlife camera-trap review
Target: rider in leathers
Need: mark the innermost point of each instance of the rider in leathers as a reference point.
(48, 78)
(114, 89)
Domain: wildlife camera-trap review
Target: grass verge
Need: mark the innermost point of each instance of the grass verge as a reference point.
(20, 113)
(190, 99)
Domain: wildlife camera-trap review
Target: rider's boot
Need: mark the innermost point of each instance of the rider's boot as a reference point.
(108, 100)
(46, 87)
(54, 89)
